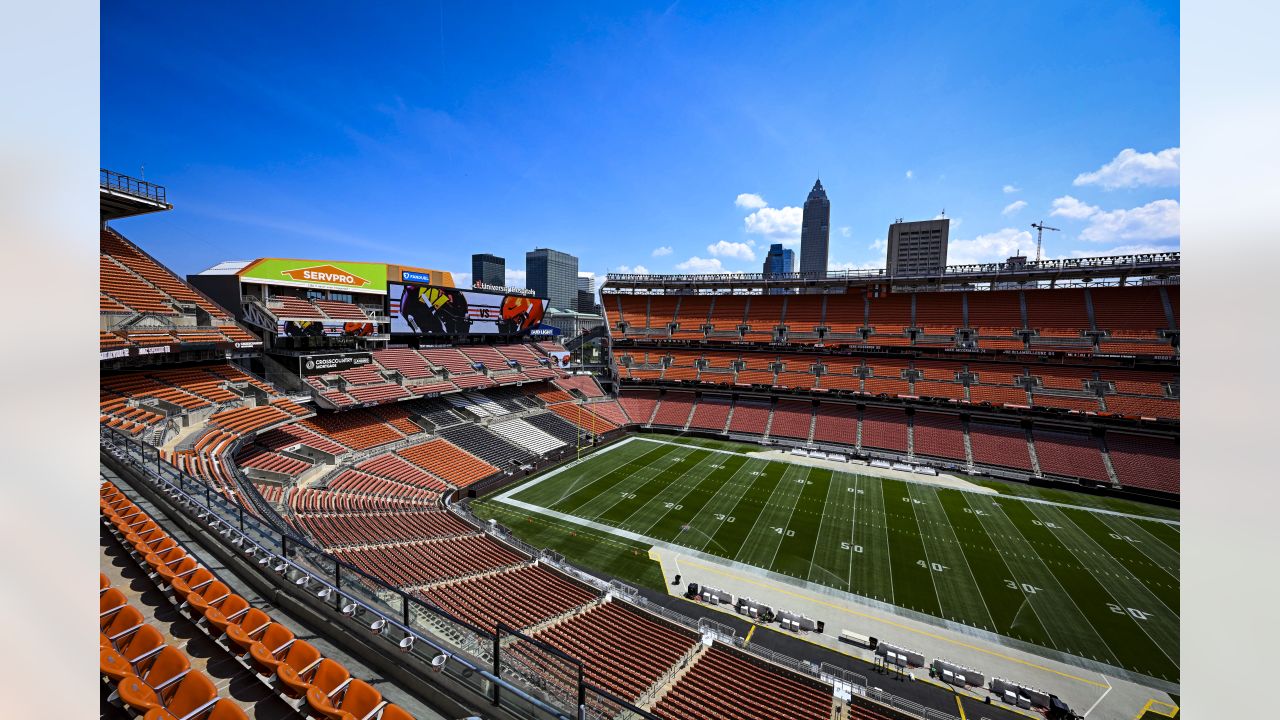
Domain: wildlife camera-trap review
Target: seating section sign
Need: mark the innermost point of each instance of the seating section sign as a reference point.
(433, 310)
(323, 364)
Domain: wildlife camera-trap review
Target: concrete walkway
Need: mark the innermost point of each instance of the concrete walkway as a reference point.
(1099, 695)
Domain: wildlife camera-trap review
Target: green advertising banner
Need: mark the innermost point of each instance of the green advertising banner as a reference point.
(329, 274)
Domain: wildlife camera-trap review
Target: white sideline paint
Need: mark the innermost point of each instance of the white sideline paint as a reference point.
(765, 455)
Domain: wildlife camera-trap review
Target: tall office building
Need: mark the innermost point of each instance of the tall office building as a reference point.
(919, 247)
(815, 231)
(553, 275)
(586, 295)
(780, 260)
(489, 269)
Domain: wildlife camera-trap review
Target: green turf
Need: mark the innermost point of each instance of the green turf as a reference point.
(1068, 497)
(1093, 584)
(626, 560)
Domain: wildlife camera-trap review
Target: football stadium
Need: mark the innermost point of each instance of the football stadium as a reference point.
(358, 490)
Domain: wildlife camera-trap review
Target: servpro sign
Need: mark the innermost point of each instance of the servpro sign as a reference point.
(353, 276)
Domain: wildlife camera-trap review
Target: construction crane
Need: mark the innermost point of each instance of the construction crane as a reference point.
(1040, 228)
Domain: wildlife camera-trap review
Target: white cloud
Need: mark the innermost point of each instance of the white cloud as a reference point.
(696, 264)
(515, 278)
(846, 231)
(741, 251)
(1008, 189)
(629, 270)
(664, 250)
(461, 279)
(879, 244)
(750, 200)
(1133, 169)
(1070, 207)
(1159, 220)
(1013, 207)
(910, 174)
(992, 247)
(779, 224)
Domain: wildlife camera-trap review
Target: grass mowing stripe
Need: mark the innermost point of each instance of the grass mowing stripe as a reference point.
(1004, 598)
(1063, 622)
(1170, 536)
(1131, 647)
(675, 498)
(872, 573)
(1158, 621)
(699, 532)
(603, 487)
(766, 534)
(1150, 546)
(833, 546)
(1128, 550)
(964, 601)
(721, 470)
(571, 480)
(1013, 488)
(748, 509)
(625, 559)
(795, 555)
(913, 585)
(656, 478)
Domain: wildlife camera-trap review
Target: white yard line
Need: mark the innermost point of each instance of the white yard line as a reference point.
(924, 546)
(1108, 587)
(888, 552)
(964, 556)
(787, 524)
(1099, 700)
(1012, 576)
(1061, 590)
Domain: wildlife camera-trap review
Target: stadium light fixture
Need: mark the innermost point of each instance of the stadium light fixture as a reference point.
(377, 626)
(406, 644)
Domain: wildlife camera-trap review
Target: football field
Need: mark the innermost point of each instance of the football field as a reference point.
(1093, 584)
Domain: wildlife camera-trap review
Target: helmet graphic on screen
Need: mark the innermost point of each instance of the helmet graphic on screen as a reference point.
(521, 313)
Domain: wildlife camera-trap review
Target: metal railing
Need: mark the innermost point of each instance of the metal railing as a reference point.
(131, 186)
(1137, 262)
(427, 633)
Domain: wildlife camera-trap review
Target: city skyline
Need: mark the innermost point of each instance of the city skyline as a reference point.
(278, 151)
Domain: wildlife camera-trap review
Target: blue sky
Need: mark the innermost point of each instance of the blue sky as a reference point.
(668, 136)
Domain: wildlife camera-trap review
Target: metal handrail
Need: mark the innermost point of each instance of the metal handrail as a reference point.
(132, 186)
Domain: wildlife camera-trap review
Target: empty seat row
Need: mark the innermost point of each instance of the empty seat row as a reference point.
(291, 667)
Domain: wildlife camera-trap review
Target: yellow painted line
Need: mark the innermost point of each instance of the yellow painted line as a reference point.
(1150, 706)
(750, 632)
(898, 625)
(960, 707)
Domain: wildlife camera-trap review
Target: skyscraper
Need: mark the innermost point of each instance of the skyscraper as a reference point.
(586, 295)
(815, 231)
(919, 247)
(779, 260)
(553, 275)
(489, 269)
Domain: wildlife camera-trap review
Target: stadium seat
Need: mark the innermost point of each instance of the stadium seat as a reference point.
(113, 665)
(297, 662)
(122, 624)
(109, 602)
(326, 682)
(142, 644)
(242, 635)
(265, 654)
(229, 611)
(222, 709)
(164, 669)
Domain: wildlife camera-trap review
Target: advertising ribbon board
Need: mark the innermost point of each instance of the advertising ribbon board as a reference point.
(325, 364)
(323, 274)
